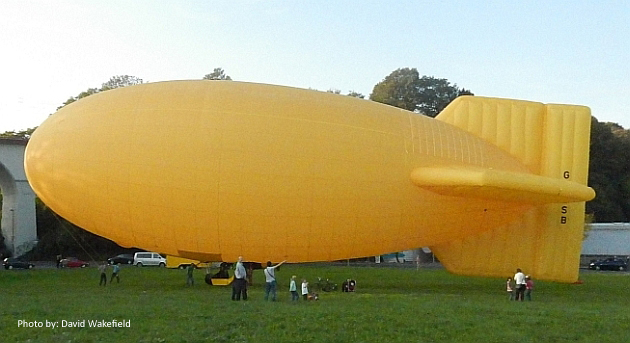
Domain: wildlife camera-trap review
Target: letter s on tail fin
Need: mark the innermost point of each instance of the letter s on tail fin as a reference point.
(553, 142)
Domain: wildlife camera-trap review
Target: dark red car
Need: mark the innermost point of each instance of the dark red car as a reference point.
(73, 262)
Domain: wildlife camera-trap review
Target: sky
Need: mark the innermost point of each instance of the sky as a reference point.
(571, 52)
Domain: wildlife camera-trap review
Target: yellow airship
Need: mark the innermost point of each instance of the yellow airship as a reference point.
(213, 170)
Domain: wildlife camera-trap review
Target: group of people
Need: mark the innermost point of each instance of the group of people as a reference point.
(103, 271)
(520, 287)
(239, 284)
(306, 295)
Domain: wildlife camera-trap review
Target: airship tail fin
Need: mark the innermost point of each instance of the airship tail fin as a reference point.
(553, 141)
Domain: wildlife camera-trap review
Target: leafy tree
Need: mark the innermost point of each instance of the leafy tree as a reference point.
(81, 95)
(338, 91)
(23, 134)
(404, 88)
(399, 89)
(356, 95)
(435, 94)
(217, 74)
(120, 81)
(114, 82)
(609, 173)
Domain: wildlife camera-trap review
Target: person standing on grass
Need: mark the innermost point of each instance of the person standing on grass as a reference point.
(304, 289)
(529, 287)
(510, 289)
(103, 269)
(270, 280)
(293, 289)
(239, 285)
(519, 280)
(190, 281)
(115, 271)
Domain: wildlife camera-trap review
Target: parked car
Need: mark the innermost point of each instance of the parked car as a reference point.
(73, 262)
(122, 259)
(609, 264)
(141, 259)
(12, 263)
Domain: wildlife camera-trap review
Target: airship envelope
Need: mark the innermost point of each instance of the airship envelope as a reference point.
(213, 170)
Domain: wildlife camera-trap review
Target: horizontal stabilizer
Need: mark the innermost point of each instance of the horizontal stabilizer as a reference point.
(499, 185)
(200, 256)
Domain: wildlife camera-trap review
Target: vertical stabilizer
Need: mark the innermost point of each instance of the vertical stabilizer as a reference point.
(552, 141)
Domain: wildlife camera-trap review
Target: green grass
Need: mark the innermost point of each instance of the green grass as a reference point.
(390, 305)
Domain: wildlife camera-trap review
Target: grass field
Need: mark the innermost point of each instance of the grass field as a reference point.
(390, 305)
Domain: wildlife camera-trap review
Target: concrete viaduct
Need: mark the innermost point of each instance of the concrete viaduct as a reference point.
(19, 226)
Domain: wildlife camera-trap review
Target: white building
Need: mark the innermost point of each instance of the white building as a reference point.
(607, 239)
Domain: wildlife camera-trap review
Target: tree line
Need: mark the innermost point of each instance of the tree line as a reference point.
(609, 168)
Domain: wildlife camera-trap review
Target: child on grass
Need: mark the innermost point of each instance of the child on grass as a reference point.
(293, 289)
(304, 289)
(529, 287)
(510, 288)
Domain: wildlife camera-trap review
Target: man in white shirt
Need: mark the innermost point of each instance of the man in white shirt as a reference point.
(270, 280)
(239, 285)
(519, 280)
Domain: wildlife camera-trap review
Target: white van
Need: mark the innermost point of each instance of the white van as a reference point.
(141, 259)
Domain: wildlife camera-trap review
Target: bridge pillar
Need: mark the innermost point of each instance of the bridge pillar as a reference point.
(18, 225)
